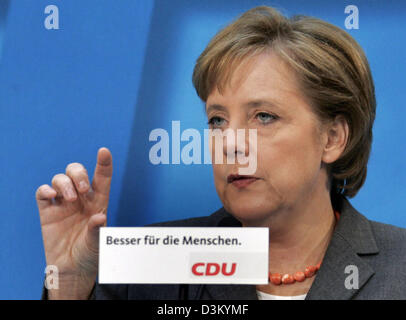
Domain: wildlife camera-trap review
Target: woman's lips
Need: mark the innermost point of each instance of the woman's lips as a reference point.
(239, 181)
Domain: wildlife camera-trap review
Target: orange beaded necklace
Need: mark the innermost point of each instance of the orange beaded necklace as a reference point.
(299, 276)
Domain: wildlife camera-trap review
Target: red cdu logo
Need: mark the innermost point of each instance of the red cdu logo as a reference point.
(213, 269)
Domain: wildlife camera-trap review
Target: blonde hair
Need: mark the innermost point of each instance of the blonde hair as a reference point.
(331, 67)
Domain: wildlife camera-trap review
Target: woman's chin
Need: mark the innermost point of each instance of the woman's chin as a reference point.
(249, 213)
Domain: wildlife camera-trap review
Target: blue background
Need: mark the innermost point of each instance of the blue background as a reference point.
(114, 71)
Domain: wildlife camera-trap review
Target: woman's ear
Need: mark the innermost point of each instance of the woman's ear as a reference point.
(336, 138)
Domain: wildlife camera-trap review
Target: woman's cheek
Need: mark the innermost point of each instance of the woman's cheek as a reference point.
(219, 181)
(281, 167)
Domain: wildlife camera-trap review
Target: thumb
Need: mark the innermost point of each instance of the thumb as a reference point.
(93, 227)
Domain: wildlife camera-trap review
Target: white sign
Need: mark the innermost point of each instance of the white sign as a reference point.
(183, 255)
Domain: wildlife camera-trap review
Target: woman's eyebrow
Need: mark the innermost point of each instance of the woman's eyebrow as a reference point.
(261, 103)
(217, 107)
(248, 105)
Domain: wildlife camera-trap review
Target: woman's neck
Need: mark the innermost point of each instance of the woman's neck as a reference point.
(299, 237)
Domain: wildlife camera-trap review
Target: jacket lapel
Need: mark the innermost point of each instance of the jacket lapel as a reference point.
(351, 239)
(330, 282)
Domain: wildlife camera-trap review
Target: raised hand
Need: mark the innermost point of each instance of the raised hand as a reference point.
(71, 211)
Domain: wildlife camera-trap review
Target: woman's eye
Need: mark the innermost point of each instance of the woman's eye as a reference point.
(265, 117)
(216, 121)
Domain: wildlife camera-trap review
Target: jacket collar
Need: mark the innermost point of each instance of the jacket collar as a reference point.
(352, 238)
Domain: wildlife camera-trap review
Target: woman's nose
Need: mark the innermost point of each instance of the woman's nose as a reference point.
(235, 143)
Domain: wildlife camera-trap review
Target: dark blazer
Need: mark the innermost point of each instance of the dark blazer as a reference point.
(378, 251)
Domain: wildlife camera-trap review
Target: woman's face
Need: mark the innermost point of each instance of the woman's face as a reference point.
(263, 94)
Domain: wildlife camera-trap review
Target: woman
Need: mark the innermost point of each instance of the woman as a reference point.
(306, 87)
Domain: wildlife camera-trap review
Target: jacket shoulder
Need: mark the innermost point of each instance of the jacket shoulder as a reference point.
(389, 237)
(389, 278)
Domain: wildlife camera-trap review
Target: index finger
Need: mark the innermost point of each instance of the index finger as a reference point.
(103, 172)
